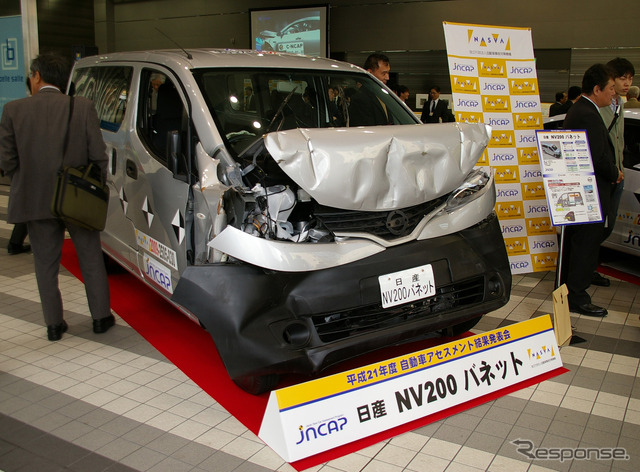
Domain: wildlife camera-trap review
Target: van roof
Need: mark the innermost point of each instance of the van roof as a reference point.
(202, 58)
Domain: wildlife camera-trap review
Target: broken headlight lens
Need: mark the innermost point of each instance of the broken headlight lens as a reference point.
(472, 188)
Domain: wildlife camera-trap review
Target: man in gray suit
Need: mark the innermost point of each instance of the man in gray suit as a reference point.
(32, 132)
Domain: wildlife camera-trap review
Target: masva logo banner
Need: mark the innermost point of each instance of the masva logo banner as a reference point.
(493, 72)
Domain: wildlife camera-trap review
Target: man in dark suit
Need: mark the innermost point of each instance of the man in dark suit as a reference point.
(32, 132)
(366, 108)
(436, 110)
(581, 244)
(573, 95)
(557, 107)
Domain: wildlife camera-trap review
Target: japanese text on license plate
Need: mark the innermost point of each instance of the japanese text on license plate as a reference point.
(407, 285)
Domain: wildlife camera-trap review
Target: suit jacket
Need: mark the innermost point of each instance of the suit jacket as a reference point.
(441, 111)
(585, 115)
(556, 109)
(633, 103)
(366, 110)
(32, 132)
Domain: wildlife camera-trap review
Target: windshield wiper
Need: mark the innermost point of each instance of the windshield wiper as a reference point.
(280, 109)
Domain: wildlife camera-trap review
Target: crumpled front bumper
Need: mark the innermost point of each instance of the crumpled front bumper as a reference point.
(267, 322)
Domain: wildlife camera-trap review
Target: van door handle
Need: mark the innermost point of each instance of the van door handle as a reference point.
(132, 170)
(114, 155)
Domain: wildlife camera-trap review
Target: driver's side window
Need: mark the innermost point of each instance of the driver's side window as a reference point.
(161, 112)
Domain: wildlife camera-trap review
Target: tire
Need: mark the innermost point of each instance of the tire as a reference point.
(457, 330)
(258, 384)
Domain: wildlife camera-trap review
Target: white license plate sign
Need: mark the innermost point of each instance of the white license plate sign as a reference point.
(407, 285)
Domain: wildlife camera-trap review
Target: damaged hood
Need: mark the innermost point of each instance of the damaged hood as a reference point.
(379, 167)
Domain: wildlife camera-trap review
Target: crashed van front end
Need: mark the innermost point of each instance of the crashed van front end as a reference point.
(330, 243)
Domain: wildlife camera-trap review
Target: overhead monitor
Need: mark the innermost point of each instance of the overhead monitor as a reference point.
(293, 30)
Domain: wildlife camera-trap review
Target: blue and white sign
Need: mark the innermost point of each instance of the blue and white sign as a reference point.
(12, 77)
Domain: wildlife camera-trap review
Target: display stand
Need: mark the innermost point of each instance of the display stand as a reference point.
(570, 185)
(309, 418)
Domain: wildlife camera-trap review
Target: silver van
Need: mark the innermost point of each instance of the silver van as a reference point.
(294, 229)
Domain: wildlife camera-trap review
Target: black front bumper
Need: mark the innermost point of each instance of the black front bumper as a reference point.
(265, 322)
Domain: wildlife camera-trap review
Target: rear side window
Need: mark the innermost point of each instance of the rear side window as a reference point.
(632, 143)
(108, 88)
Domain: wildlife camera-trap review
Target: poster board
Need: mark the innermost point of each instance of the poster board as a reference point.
(569, 177)
(493, 80)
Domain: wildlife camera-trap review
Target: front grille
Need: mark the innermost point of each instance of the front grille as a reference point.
(334, 326)
(384, 224)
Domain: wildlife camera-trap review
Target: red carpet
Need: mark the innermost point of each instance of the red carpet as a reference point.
(618, 274)
(192, 350)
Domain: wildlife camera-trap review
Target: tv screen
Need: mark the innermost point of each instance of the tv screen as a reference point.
(293, 30)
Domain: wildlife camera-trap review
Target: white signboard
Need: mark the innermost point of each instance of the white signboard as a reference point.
(309, 418)
(569, 177)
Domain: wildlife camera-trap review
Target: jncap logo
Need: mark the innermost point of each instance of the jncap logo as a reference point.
(496, 41)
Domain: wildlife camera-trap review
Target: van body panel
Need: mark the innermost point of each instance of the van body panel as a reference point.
(271, 222)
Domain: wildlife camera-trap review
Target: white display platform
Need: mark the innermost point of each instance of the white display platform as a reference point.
(316, 416)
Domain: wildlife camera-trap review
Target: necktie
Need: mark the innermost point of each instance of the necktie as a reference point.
(433, 105)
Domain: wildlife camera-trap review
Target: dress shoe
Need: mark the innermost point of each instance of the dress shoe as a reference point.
(54, 332)
(14, 249)
(589, 309)
(599, 280)
(103, 324)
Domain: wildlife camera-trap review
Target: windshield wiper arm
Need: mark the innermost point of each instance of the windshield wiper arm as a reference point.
(282, 105)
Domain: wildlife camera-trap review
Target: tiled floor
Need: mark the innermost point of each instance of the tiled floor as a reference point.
(112, 402)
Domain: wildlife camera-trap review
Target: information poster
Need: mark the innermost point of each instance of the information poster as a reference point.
(569, 177)
(12, 78)
(494, 81)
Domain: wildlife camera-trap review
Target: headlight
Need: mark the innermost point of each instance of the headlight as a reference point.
(470, 189)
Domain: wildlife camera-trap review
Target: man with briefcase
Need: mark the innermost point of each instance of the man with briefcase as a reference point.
(32, 139)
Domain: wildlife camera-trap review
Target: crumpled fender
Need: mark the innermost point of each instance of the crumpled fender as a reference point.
(379, 168)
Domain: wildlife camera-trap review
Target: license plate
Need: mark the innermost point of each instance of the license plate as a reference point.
(407, 286)
(295, 48)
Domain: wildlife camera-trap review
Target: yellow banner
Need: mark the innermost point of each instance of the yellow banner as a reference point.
(315, 390)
